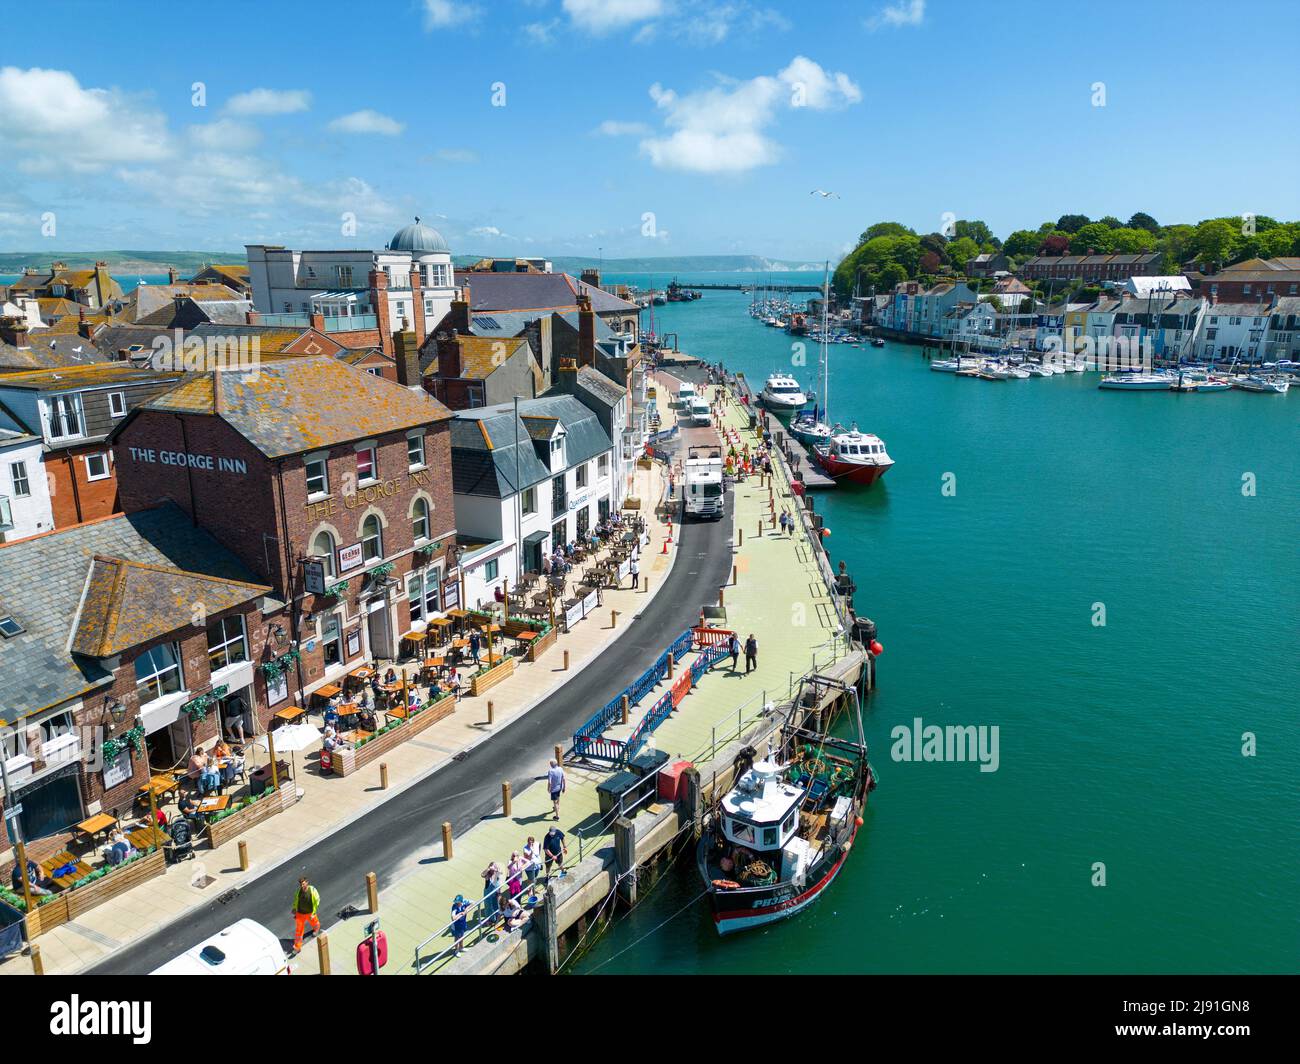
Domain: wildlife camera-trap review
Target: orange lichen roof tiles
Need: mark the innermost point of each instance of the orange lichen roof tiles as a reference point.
(127, 604)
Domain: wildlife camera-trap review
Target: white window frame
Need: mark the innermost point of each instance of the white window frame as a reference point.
(374, 464)
(528, 503)
(323, 461)
(419, 504)
(58, 404)
(378, 556)
(150, 683)
(108, 465)
(116, 404)
(328, 559)
(335, 618)
(223, 648)
(416, 438)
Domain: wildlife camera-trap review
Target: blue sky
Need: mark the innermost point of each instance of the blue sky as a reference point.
(715, 117)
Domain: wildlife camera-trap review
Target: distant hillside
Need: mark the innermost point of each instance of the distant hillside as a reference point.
(575, 264)
(120, 261)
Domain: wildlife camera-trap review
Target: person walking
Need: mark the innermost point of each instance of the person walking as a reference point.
(460, 921)
(751, 654)
(474, 645)
(733, 648)
(555, 851)
(556, 784)
(515, 874)
(305, 904)
(635, 570)
(781, 520)
(491, 892)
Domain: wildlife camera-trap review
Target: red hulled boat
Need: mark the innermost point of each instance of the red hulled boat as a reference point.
(853, 456)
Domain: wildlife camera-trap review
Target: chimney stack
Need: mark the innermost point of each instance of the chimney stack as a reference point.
(13, 330)
(407, 353)
(379, 302)
(449, 365)
(417, 305)
(586, 332)
(251, 317)
(459, 316)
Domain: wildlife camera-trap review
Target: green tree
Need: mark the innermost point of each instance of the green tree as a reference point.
(885, 229)
(1093, 237)
(1215, 241)
(1144, 221)
(1111, 222)
(1072, 223)
(1127, 241)
(1022, 242)
(962, 249)
(890, 276)
(977, 231)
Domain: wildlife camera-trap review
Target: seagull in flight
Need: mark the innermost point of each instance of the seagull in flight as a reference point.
(824, 194)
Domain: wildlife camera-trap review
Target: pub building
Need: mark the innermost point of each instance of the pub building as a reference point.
(330, 483)
(140, 627)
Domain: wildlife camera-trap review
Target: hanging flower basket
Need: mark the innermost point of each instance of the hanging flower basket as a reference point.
(277, 667)
(338, 590)
(380, 571)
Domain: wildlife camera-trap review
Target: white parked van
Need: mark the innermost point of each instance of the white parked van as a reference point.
(685, 394)
(698, 412)
(243, 948)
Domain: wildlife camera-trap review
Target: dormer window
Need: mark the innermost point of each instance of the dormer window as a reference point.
(65, 417)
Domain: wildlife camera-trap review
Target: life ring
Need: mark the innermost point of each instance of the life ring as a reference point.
(726, 884)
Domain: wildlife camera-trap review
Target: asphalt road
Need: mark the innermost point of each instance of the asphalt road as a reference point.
(462, 792)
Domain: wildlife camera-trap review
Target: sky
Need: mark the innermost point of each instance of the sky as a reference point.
(632, 127)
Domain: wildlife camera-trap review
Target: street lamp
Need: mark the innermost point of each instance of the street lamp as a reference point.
(115, 708)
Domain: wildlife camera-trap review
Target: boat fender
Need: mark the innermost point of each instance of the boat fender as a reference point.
(858, 820)
(726, 884)
(848, 846)
(876, 648)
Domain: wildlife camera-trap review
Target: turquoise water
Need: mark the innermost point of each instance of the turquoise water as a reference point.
(1119, 744)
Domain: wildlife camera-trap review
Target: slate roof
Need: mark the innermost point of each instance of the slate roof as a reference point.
(483, 443)
(49, 351)
(480, 356)
(42, 580)
(271, 339)
(536, 292)
(66, 378)
(293, 405)
(599, 388)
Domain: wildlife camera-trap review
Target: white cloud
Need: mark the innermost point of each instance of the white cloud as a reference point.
(612, 128)
(901, 13)
(604, 16)
(541, 32)
(443, 14)
(269, 102)
(225, 134)
(367, 121)
(721, 129)
(48, 122)
(489, 231)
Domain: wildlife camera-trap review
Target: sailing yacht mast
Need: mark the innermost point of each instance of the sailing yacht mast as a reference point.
(826, 377)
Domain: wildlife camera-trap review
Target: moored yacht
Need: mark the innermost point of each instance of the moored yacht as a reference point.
(781, 394)
(1136, 382)
(1260, 382)
(853, 456)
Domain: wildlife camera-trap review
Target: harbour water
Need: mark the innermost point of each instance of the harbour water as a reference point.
(1120, 745)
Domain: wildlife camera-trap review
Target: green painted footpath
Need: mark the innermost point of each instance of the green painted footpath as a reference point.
(778, 596)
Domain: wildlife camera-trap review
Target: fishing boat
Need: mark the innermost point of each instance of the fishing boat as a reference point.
(781, 394)
(853, 456)
(1136, 382)
(782, 833)
(877, 341)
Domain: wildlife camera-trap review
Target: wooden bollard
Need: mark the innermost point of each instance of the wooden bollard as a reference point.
(492, 712)
(735, 572)
(38, 966)
(645, 584)
(243, 856)
(760, 529)
(505, 797)
(566, 660)
(721, 596)
(446, 840)
(624, 709)
(740, 541)
(670, 666)
(383, 775)
(372, 891)
(323, 953)
(613, 618)
(559, 754)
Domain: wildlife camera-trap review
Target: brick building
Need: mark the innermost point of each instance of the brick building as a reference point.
(1089, 267)
(72, 410)
(137, 623)
(305, 461)
(1254, 281)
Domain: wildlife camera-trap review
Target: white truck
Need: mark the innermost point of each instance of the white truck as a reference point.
(702, 488)
(698, 412)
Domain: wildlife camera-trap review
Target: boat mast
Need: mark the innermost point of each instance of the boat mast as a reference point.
(826, 373)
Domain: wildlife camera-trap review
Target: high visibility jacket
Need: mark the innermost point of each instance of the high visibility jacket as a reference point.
(307, 902)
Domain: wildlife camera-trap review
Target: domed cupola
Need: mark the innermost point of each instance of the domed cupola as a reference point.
(419, 239)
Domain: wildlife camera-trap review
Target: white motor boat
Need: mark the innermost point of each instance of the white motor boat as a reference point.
(945, 365)
(1260, 382)
(781, 394)
(1137, 382)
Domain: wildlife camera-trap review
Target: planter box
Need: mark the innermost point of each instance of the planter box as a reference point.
(48, 916)
(116, 882)
(487, 680)
(348, 761)
(542, 644)
(231, 827)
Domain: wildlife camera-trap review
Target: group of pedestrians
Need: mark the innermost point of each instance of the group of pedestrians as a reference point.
(504, 890)
(751, 652)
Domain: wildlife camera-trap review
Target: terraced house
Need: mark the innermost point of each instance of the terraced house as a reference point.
(329, 483)
(138, 627)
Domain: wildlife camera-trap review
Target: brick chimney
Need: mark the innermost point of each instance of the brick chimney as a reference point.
(591, 276)
(449, 354)
(13, 330)
(586, 332)
(379, 301)
(417, 305)
(252, 317)
(406, 351)
(317, 321)
(459, 316)
(83, 326)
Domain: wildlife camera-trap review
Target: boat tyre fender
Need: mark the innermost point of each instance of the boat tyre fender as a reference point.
(726, 884)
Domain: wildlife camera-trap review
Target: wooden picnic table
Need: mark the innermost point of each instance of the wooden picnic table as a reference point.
(416, 639)
(95, 825)
(160, 785)
(143, 838)
(62, 860)
(325, 691)
(527, 636)
(291, 713)
(398, 712)
(362, 672)
(215, 803)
